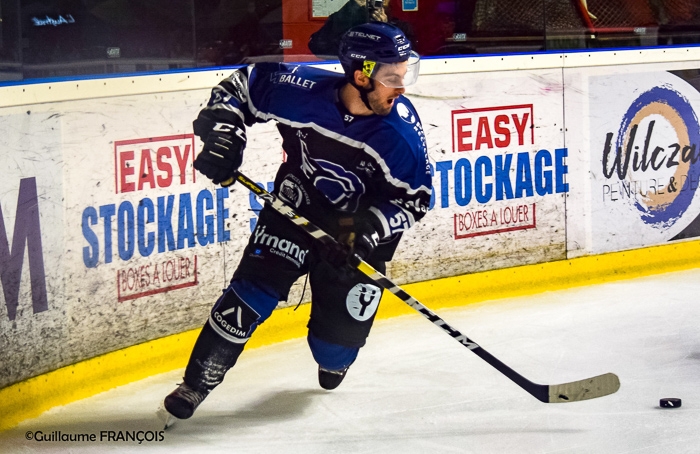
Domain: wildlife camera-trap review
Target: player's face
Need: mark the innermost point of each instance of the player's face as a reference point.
(382, 98)
(387, 88)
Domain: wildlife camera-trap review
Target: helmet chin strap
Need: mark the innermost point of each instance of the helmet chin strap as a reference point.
(364, 92)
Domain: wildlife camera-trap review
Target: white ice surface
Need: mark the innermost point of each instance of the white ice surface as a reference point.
(414, 389)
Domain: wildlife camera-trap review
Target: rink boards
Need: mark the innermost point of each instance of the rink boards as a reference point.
(111, 239)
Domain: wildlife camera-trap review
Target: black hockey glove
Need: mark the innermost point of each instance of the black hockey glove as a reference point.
(358, 235)
(222, 153)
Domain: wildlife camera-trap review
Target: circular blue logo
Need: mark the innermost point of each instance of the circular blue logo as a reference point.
(659, 138)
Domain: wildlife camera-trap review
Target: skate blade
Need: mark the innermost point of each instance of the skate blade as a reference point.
(165, 416)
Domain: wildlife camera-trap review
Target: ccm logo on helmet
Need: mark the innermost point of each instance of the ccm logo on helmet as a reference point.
(404, 47)
(358, 56)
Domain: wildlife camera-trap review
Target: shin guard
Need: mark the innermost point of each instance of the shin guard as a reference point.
(234, 317)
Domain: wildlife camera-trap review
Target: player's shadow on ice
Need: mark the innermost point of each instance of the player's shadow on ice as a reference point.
(277, 406)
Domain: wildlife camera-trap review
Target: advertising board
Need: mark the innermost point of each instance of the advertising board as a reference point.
(639, 137)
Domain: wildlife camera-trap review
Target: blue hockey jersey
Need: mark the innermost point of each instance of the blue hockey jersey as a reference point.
(336, 161)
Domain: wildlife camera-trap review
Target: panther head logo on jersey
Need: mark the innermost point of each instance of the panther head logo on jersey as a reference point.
(340, 186)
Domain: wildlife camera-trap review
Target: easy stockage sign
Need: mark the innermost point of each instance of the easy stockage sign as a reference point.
(161, 220)
(500, 173)
(645, 147)
(498, 161)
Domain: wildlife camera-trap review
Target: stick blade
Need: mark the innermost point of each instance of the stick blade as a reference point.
(589, 388)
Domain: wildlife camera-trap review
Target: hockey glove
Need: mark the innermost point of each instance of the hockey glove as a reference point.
(358, 235)
(222, 153)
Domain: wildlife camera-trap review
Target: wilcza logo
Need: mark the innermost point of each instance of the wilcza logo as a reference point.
(652, 163)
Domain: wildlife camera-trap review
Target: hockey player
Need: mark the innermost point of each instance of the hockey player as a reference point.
(357, 166)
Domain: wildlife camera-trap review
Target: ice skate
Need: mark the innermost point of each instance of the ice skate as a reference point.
(330, 379)
(182, 402)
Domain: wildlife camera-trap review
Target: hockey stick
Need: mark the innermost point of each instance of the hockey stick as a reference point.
(589, 388)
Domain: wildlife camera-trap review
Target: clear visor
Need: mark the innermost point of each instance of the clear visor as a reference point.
(397, 75)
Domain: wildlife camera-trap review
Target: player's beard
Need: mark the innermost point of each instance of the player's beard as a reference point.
(379, 105)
